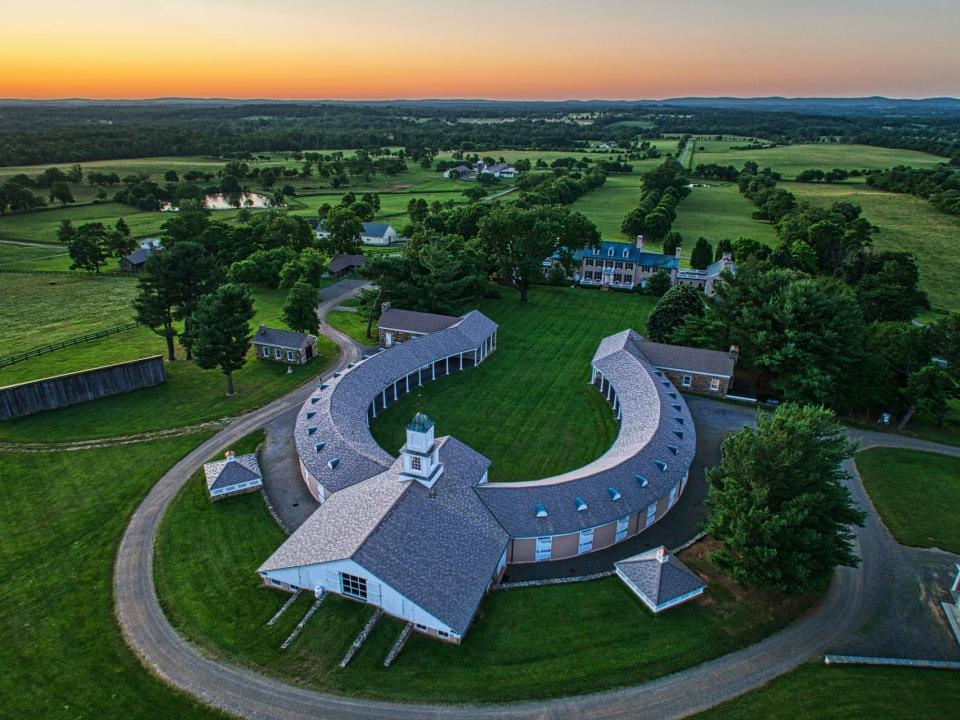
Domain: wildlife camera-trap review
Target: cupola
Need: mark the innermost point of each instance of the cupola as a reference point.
(421, 453)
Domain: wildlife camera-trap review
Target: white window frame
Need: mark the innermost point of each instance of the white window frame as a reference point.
(443, 633)
(290, 356)
(686, 380)
(715, 384)
(416, 463)
(277, 353)
(543, 549)
(266, 351)
(623, 525)
(347, 583)
(586, 541)
(610, 252)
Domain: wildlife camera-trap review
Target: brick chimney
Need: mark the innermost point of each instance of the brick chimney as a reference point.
(677, 252)
(734, 352)
(727, 257)
(384, 307)
(640, 243)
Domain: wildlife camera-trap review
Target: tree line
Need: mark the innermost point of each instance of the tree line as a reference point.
(941, 186)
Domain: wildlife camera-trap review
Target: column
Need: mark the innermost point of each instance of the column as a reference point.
(419, 377)
(433, 370)
(395, 390)
(461, 361)
(384, 398)
(373, 406)
(448, 364)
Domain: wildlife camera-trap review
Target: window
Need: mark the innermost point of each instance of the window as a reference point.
(275, 582)
(617, 277)
(651, 513)
(626, 251)
(415, 463)
(714, 384)
(673, 494)
(586, 541)
(353, 586)
(622, 525)
(421, 628)
(544, 548)
(290, 355)
(589, 262)
(610, 252)
(618, 265)
(686, 380)
(276, 353)
(266, 352)
(443, 633)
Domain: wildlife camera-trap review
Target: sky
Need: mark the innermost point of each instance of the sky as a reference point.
(504, 49)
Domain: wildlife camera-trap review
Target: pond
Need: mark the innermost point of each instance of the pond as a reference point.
(227, 201)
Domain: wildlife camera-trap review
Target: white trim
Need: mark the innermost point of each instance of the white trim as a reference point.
(694, 372)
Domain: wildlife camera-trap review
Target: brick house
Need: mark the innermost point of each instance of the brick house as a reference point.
(284, 346)
(623, 266)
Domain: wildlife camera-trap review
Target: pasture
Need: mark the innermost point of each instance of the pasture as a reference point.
(529, 407)
(600, 635)
(926, 515)
(62, 654)
(792, 159)
(719, 212)
(20, 257)
(906, 223)
(190, 395)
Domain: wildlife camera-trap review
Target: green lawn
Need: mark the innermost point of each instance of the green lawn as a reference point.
(820, 692)
(18, 257)
(354, 325)
(906, 223)
(62, 517)
(529, 407)
(609, 204)
(792, 159)
(531, 643)
(190, 395)
(719, 212)
(916, 493)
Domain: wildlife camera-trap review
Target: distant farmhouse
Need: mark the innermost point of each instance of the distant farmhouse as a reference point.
(138, 258)
(235, 475)
(372, 234)
(396, 326)
(623, 266)
(284, 346)
(503, 171)
(343, 264)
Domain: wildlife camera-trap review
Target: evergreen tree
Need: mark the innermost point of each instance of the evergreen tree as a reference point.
(221, 329)
(702, 254)
(659, 283)
(778, 502)
(300, 308)
(679, 303)
(156, 300)
(193, 274)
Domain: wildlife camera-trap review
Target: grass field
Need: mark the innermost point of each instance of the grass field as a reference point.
(190, 395)
(820, 692)
(529, 407)
(716, 213)
(18, 257)
(531, 643)
(608, 205)
(906, 223)
(792, 159)
(62, 517)
(353, 324)
(916, 494)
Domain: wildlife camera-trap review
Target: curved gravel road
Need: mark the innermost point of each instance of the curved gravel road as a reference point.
(249, 694)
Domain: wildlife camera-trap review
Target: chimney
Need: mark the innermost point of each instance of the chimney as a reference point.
(677, 252)
(734, 352)
(384, 307)
(727, 257)
(640, 243)
(230, 455)
(662, 554)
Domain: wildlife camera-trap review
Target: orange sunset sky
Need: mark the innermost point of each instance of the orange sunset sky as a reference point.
(518, 49)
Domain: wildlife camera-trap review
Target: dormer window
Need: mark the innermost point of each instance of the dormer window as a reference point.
(610, 252)
(626, 252)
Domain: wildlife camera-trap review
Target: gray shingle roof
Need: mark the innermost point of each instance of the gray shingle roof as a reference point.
(659, 582)
(415, 322)
(280, 338)
(335, 418)
(653, 412)
(373, 229)
(138, 256)
(224, 473)
(438, 547)
(343, 262)
(681, 357)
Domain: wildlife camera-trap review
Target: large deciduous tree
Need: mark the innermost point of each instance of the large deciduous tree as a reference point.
(221, 329)
(679, 303)
(518, 240)
(778, 502)
(344, 229)
(300, 308)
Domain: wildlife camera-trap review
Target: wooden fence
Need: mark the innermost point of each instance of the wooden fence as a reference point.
(102, 275)
(78, 387)
(69, 342)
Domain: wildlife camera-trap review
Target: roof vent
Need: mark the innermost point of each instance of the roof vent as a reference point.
(641, 479)
(313, 400)
(665, 383)
(658, 373)
(350, 365)
(541, 510)
(673, 448)
(580, 503)
(319, 446)
(311, 430)
(614, 493)
(333, 463)
(678, 433)
(679, 420)
(672, 395)
(677, 407)
(323, 386)
(662, 465)
(337, 374)
(311, 413)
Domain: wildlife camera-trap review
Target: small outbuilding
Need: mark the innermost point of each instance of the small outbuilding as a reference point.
(659, 579)
(284, 346)
(397, 325)
(343, 264)
(234, 475)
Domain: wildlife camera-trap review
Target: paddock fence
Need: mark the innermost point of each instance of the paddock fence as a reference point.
(69, 342)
